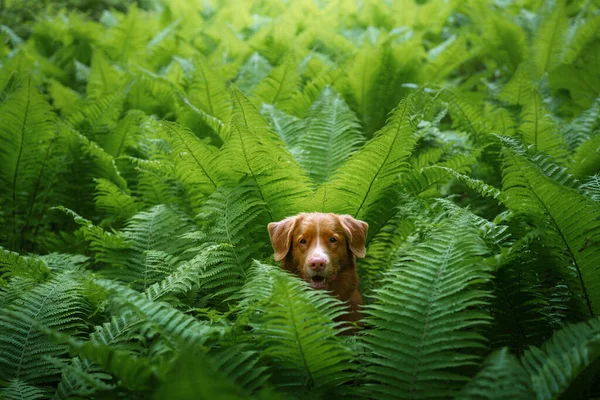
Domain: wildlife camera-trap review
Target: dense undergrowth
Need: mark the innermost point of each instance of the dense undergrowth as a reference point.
(144, 150)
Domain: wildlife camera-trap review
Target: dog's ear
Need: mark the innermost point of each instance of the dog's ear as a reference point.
(281, 236)
(356, 234)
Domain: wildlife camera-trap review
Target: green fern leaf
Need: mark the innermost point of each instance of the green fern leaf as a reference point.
(55, 304)
(114, 201)
(18, 390)
(502, 377)
(81, 378)
(27, 127)
(232, 236)
(555, 209)
(296, 329)
(425, 317)
(563, 359)
(279, 86)
(254, 70)
(208, 91)
(331, 135)
(125, 135)
(538, 129)
(177, 328)
(197, 164)
(370, 176)
(548, 39)
(287, 127)
(253, 150)
(579, 36)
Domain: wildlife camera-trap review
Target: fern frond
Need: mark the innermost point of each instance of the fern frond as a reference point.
(14, 265)
(177, 328)
(81, 378)
(425, 316)
(103, 79)
(331, 135)
(114, 201)
(193, 375)
(563, 359)
(547, 43)
(465, 115)
(27, 126)
(520, 87)
(502, 377)
(208, 91)
(579, 36)
(583, 127)
(126, 134)
(253, 150)
(55, 304)
(295, 328)
(287, 127)
(132, 371)
(568, 217)
(591, 187)
(586, 159)
(279, 86)
(254, 70)
(98, 117)
(19, 390)
(370, 176)
(197, 164)
(538, 129)
(232, 235)
(445, 58)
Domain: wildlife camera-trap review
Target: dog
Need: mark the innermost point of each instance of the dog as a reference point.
(321, 249)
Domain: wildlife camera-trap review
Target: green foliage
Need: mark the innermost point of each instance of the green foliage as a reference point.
(427, 315)
(145, 147)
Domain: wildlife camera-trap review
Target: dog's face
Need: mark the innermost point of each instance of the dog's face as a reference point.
(318, 246)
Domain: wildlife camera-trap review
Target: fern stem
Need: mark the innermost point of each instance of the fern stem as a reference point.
(400, 126)
(297, 337)
(28, 335)
(19, 155)
(571, 254)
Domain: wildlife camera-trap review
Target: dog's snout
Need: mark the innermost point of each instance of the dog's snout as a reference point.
(317, 263)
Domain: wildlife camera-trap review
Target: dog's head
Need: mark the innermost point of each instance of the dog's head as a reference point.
(318, 246)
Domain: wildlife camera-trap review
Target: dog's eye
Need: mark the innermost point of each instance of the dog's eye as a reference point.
(302, 241)
(333, 239)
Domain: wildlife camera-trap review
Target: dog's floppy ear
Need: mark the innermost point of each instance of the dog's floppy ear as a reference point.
(281, 236)
(356, 233)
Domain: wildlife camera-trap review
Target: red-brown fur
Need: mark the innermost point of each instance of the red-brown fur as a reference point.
(340, 269)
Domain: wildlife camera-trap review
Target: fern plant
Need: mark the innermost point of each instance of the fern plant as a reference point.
(144, 148)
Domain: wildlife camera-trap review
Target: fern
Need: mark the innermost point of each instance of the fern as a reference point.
(208, 91)
(295, 328)
(502, 377)
(330, 137)
(230, 237)
(17, 390)
(173, 325)
(278, 87)
(196, 164)
(253, 150)
(365, 195)
(563, 359)
(254, 70)
(538, 130)
(548, 37)
(425, 317)
(26, 140)
(555, 208)
(55, 304)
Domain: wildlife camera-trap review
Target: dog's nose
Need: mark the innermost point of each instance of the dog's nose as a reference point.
(317, 263)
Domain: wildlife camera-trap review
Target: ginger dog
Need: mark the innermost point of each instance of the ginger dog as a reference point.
(321, 249)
